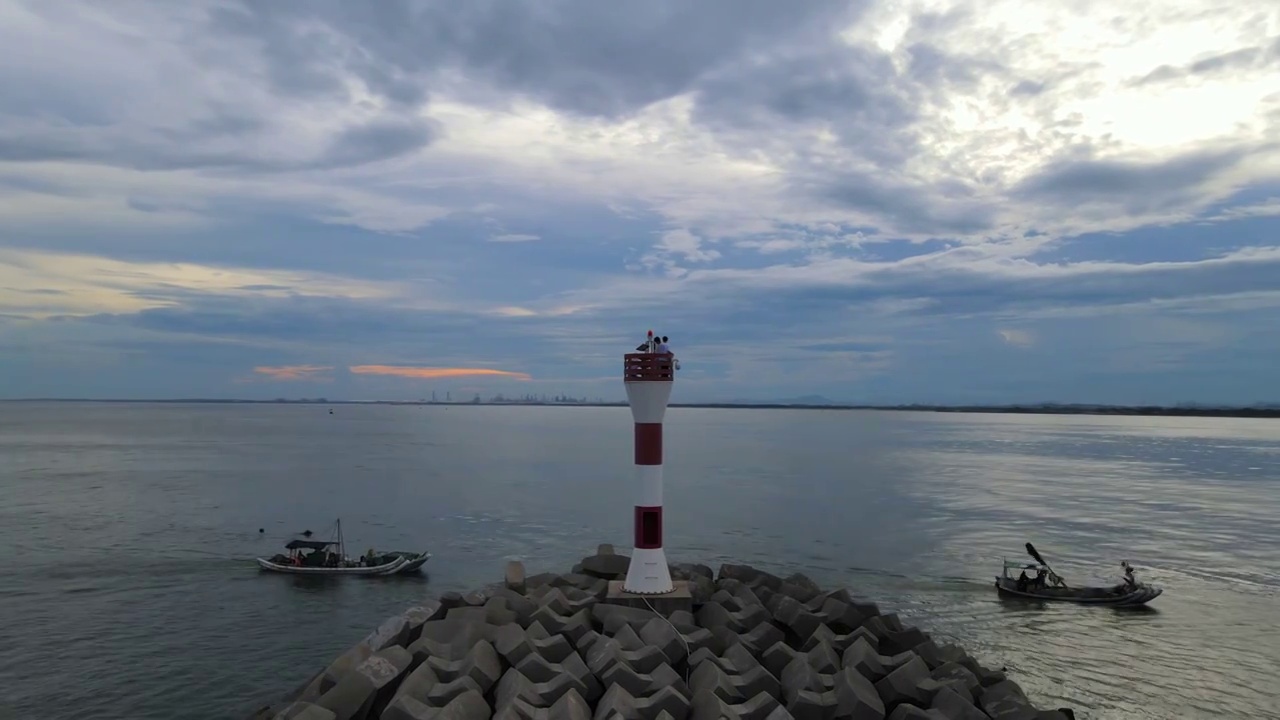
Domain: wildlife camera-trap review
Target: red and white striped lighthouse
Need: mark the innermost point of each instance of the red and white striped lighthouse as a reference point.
(648, 377)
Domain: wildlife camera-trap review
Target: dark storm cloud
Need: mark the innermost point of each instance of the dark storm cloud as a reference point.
(577, 56)
(1135, 186)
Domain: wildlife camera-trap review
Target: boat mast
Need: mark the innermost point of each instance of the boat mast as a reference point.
(342, 548)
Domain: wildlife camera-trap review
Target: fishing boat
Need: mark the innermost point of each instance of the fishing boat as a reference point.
(328, 557)
(1045, 584)
(413, 560)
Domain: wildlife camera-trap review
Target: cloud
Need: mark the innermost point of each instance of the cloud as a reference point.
(832, 197)
(306, 373)
(1016, 338)
(430, 373)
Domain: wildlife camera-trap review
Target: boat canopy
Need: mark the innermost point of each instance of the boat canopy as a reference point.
(309, 544)
(1020, 565)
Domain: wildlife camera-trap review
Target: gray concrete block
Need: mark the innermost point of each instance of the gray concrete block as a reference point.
(749, 576)
(1006, 701)
(418, 683)
(893, 622)
(570, 706)
(614, 617)
(746, 596)
(799, 676)
(823, 658)
(571, 626)
(492, 611)
(443, 693)
(806, 585)
(539, 670)
(450, 639)
(521, 605)
(513, 577)
(689, 571)
(709, 706)
(618, 704)
(606, 652)
(734, 688)
(475, 598)
(815, 603)
(514, 685)
(606, 567)
(392, 631)
(838, 642)
(862, 657)
(514, 643)
(908, 684)
(467, 706)
(761, 638)
(856, 697)
(564, 601)
(345, 663)
(684, 621)
(415, 617)
(955, 672)
(902, 641)
(841, 616)
(713, 615)
(954, 706)
(791, 614)
(911, 712)
(482, 664)
(661, 634)
(628, 638)
(876, 627)
(596, 587)
(451, 599)
(776, 658)
(304, 711)
(368, 687)
(639, 684)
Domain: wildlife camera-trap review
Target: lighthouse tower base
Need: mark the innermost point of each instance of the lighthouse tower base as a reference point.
(680, 598)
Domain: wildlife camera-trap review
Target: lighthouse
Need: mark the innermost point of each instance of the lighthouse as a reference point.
(648, 377)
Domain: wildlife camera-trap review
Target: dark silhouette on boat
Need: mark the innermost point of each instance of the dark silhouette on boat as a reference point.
(1048, 585)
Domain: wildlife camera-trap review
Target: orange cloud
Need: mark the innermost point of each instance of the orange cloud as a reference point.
(294, 372)
(427, 373)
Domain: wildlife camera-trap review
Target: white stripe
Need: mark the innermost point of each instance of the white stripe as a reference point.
(649, 485)
(648, 400)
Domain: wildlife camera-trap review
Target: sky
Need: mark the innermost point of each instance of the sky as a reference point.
(881, 202)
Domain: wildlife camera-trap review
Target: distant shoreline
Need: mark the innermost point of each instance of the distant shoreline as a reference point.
(1024, 409)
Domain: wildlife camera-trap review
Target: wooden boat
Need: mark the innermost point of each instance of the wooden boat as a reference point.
(318, 557)
(348, 568)
(413, 561)
(1048, 585)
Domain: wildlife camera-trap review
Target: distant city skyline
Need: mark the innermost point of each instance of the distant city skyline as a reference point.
(879, 203)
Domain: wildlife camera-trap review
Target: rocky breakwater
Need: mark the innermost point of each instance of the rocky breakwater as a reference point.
(755, 646)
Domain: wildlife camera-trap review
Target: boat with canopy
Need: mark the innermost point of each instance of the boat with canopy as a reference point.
(328, 557)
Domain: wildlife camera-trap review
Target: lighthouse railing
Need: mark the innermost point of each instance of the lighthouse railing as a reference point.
(648, 367)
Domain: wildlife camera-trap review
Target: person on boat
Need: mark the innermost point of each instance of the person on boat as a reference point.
(1040, 576)
(1023, 580)
(1130, 582)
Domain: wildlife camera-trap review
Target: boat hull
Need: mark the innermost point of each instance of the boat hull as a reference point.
(413, 560)
(389, 568)
(1111, 596)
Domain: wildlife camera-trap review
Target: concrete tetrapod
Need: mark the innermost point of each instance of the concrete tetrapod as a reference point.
(755, 645)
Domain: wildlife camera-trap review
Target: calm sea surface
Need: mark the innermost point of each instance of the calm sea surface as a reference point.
(127, 537)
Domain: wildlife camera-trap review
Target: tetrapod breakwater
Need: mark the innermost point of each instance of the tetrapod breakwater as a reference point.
(740, 643)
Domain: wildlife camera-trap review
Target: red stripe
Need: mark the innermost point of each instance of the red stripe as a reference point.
(648, 527)
(648, 443)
